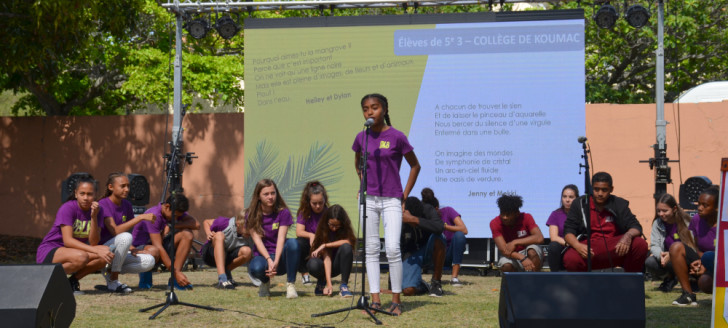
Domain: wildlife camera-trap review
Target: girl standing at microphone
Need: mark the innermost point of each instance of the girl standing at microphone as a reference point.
(386, 146)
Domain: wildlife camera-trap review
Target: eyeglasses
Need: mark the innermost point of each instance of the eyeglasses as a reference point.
(334, 226)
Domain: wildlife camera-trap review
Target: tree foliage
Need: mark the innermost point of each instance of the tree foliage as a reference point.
(105, 57)
(620, 62)
(96, 57)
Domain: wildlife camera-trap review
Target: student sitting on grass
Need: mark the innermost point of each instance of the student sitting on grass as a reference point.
(455, 231)
(686, 261)
(119, 219)
(226, 248)
(615, 232)
(73, 240)
(314, 202)
(148, 233)
(267, 219)
(422, 244)
(517, 236)
(332, 252)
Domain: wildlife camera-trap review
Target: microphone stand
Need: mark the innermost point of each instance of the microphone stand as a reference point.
(174, 169)
(588, 193)
(363, 302)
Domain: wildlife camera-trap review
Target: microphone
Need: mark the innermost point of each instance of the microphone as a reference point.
(582, 139)
(369, 122)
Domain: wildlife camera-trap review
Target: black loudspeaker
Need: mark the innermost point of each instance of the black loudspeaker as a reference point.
(35, 296)
(138, 190)
(68, 186)
(570, 299)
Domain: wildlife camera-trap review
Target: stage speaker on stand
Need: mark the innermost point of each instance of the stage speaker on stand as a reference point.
(138, 193)
(68, 186)
(571, 299)
(35, 295)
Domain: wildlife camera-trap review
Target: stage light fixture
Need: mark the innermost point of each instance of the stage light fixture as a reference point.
(637, 16)
(606, 16)
(197, 28)
(690, 191)
(226, 27)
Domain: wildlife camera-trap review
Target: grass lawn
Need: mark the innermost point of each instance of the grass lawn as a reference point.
(473, 305)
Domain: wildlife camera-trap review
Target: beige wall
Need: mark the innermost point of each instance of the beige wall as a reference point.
(622, 135)
(39, 152)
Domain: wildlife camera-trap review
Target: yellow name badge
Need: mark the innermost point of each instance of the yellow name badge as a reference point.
(275, 226)
(123, 218)
(384, 144)
(676, 236)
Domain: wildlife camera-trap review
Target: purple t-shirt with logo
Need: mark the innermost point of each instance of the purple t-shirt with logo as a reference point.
(120, 214)
(311, 224)
(448, 215)
(557, 218)
(386, 150)
(670, 234)
(271, 223)
(703, 233)
(143, 229)
(69, 214)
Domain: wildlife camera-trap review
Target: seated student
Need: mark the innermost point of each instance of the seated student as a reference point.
(517, 236)
(555, 223)
(226, 248)
(314, 202)
(612, 223)
(422, 243)
(119, 219)
(148, 233)
(74, 237)
(669, 226)
(455, 231)
(267, 219)
(686, 260)
(332, 252)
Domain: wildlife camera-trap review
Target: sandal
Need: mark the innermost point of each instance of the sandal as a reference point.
(395, 307)
(374, 306)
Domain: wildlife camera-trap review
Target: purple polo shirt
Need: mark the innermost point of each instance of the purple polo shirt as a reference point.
(386, 150)
(557, 218)
(448, 215)
(703, 233)
(271, 223)
(120, 214)
(311, 224)
(69, 214)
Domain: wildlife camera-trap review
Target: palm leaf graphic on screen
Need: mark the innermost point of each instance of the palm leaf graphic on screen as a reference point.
(318, 164)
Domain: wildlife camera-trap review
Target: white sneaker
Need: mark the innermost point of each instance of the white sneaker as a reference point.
(291, 290)
(306, 279)
(264, 289)
(455, 282)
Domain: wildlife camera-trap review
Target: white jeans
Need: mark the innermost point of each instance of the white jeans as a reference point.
(123, 261)
(390, 210)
